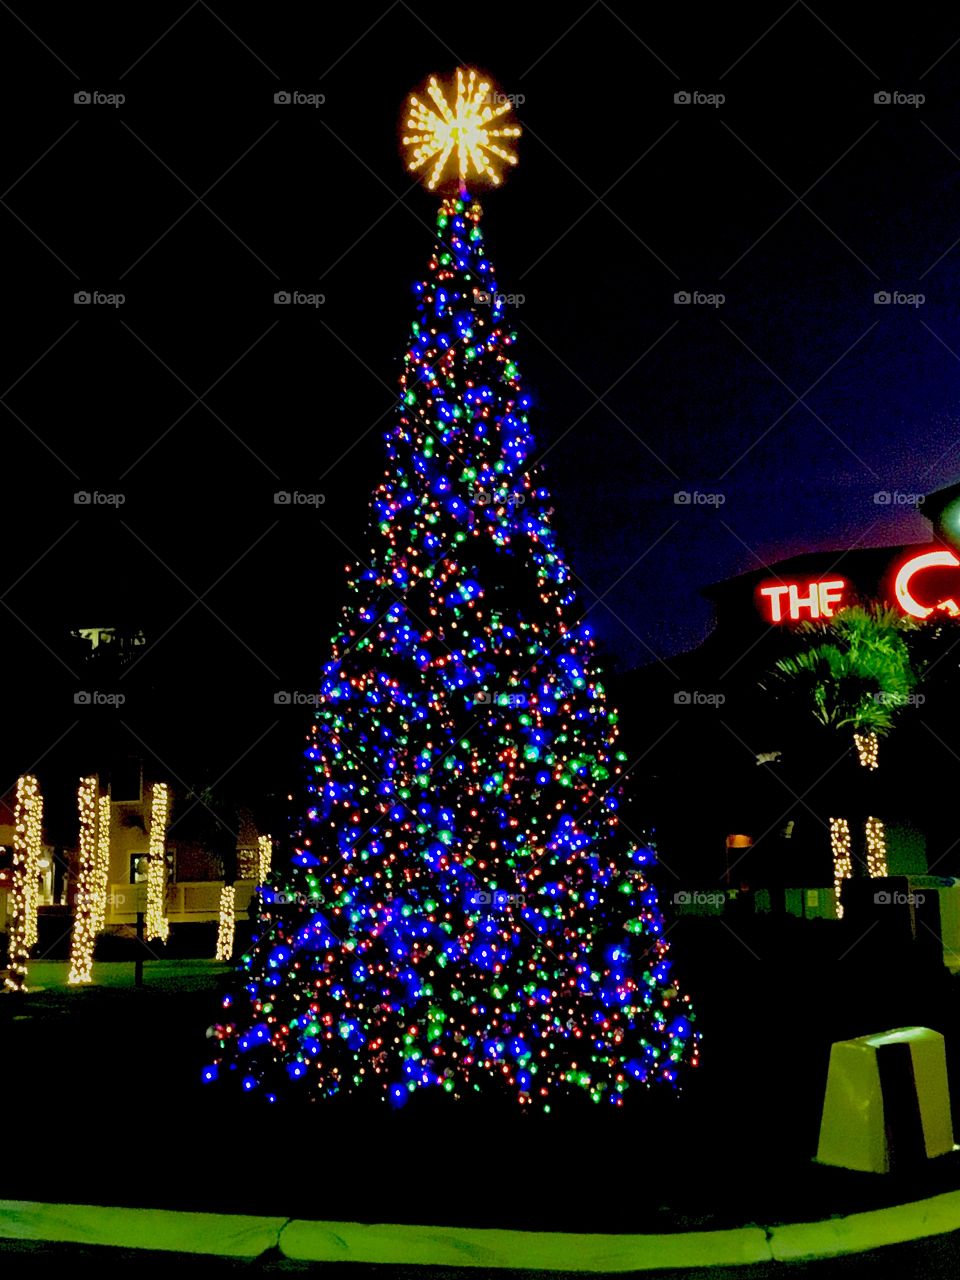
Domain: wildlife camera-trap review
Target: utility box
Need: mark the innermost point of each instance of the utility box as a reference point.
(887, 1104)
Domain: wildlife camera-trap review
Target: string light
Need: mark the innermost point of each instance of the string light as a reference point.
(265, 858)
(84, 933)
(228, 919)
(868, 749)
(876, 848)
(34, 854)
(22, 898)
(461, 908)
(841, 846)
(457, 135)
(248, 863)
(101, 877)
(156, 924)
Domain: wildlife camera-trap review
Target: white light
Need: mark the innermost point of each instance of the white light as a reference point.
(228, 918)
(876, 848)
(265, 858)
(458, 135)
(156, 924)
(22, 902)
(842, 861)
(102, 867)
(84, 908)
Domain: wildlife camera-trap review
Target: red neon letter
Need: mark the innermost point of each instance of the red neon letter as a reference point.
(929, 560)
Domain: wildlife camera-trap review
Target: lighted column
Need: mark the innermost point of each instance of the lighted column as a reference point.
(876, 848)
(842, 860)
(157, 925)
(84, 909)
(228, 919)
(868, 749)
(22, 902)
(34, 836)
(265, 858)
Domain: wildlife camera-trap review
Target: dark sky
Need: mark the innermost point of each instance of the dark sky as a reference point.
(798, 199)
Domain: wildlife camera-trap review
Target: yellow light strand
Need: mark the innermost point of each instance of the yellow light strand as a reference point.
(84, 909)
(876, 848)
(841, 846)
(265, 858)
(22, 901)
(102, 870)
(34, 852)
(459, 138)
(228, 920)
(868, 749)
(156, 924)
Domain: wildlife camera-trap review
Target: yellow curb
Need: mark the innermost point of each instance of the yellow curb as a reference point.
(519, 1250)
(241, 1236)
(896, 1225)
(225, 1235)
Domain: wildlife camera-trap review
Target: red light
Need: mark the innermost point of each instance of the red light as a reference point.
(789, 601)
(917, 564)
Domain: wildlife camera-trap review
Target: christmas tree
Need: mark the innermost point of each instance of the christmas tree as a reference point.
(462, 909)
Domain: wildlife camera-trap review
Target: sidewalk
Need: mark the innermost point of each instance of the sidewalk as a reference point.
(924, 1236)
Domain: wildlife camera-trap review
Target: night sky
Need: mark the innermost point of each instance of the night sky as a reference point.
(798, 198)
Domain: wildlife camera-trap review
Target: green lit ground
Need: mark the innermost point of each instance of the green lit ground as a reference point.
(163, 975)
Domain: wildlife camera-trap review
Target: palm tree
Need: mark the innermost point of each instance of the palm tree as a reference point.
(854, 673)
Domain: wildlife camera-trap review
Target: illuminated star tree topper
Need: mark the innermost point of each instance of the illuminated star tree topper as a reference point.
(458, 135)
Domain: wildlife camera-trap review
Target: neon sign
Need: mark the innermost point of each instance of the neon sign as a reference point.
(817, 601)
(918, 579)
(910, 569)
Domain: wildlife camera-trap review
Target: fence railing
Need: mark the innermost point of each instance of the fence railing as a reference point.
(187, 900)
